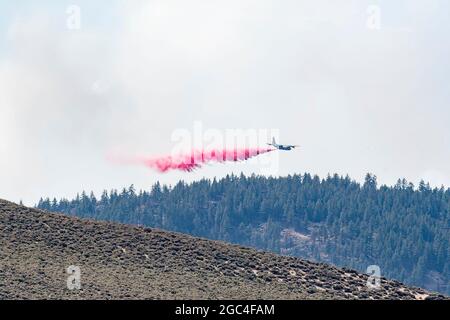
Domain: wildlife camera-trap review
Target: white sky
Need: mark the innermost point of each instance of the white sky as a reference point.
(357, 99)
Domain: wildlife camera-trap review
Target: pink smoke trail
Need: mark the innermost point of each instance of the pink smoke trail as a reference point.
(196, 159)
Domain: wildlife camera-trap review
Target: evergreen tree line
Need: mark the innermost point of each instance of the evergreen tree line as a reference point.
(402, 229)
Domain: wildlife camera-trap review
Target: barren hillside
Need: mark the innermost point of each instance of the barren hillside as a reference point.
(126, 262)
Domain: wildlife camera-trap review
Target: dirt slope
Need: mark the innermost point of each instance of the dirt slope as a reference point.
(126, 262)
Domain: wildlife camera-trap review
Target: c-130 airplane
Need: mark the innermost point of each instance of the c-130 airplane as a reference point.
(285, 147)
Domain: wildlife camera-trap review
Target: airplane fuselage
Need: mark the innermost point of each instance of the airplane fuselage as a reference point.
(286, 148)
(281, 147)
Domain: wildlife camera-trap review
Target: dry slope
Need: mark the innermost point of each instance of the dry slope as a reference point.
(127, 262)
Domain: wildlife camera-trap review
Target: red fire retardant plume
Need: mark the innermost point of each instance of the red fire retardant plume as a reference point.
(196, 159)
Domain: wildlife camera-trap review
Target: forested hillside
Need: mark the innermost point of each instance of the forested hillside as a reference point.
(402, 229)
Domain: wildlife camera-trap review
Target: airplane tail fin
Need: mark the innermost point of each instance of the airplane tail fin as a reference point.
(273, 140)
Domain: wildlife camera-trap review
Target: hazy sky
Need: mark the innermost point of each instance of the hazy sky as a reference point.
(362, 86)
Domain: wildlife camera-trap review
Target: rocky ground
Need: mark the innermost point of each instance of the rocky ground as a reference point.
(127, 262)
